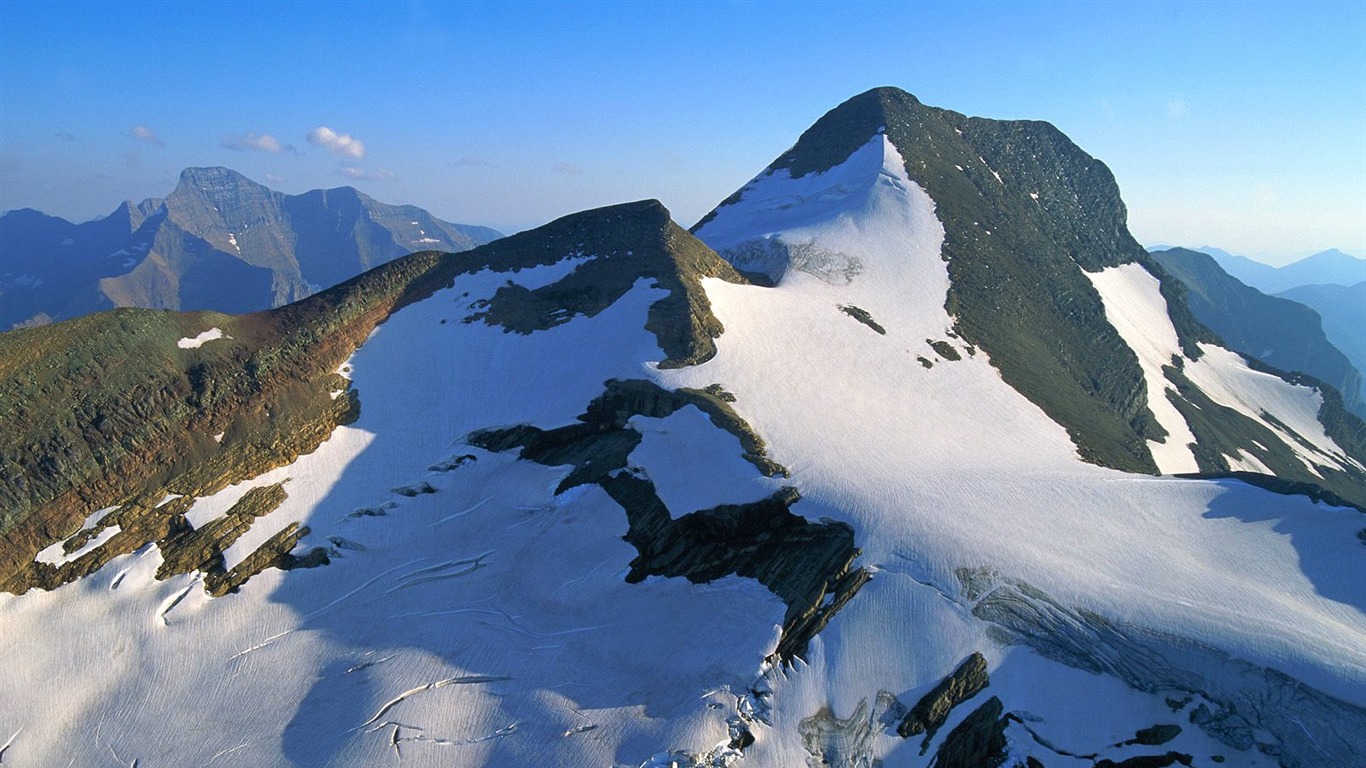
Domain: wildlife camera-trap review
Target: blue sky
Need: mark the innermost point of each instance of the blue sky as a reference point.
(1239, 125)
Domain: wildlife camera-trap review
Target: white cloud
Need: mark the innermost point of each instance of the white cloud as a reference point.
(360, 174)
(146, 134)
(339, 144)
(261, 142)
(273, 179)
(564, 167)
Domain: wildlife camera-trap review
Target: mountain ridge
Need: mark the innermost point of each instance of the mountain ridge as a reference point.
(218, 241)
(1331, 267)
(1280, 332)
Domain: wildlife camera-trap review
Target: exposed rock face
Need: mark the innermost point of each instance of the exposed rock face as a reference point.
(1343, 309)
(977, 742)
(808, 565)
(626, 243)
(933, 709)
(1148, 761)
(218, 242)
(1156, 735)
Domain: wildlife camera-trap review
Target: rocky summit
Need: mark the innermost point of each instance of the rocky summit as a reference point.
(906, 454)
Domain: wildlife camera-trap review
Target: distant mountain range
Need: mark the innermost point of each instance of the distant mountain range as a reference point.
(218, 241)
(1330, 267)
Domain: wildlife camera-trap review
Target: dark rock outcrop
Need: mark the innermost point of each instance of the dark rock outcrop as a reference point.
(930, 713)
(977, 742)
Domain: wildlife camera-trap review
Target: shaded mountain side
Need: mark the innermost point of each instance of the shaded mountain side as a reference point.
(44, 259)
(260, 248)
(1343, 309)
(106, 410)
(1023, 209)
(1282, 333)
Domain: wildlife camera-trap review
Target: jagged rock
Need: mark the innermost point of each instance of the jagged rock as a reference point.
(977, 742)
(862, 316)
(944, 349)
(275, 553)
(415, 489)
(807, 564)
(188, 549)
(453, 463)
(623, 244)
(1154, 736)
(930, 713)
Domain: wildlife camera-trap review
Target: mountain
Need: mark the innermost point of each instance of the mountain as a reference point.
(1331, 267)
(1280, 332)
(777, 492)
(1343, 309)
(219, 241)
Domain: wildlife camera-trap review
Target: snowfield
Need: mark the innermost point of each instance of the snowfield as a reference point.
(471, 616)
(201, 339)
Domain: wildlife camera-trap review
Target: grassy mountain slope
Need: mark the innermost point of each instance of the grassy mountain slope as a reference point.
(108, 410)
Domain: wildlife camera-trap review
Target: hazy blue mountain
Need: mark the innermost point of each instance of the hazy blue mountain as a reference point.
(1280, 332)
(218, 241)
(1343, 309)
(1330, 267)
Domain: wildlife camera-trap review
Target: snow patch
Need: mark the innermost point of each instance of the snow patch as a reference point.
(202, 339)
(1135, 307)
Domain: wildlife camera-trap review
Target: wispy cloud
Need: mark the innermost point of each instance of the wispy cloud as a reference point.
(261, 142)
(471, 162)
(1107, 109)
(143, 133)
(65, 136)
(1178, 109)
(339, 144)
(565, 167)
(273, 179)
(360, 174)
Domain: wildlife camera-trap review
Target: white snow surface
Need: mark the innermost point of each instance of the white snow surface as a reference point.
(1135, 307)
(57, 555)
(202, 339)
(488, 622)
(918, 462)
(485, 623)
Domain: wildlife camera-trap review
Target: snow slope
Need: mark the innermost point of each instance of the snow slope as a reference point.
(486, 623)
(947, 468)
(1134, 305)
